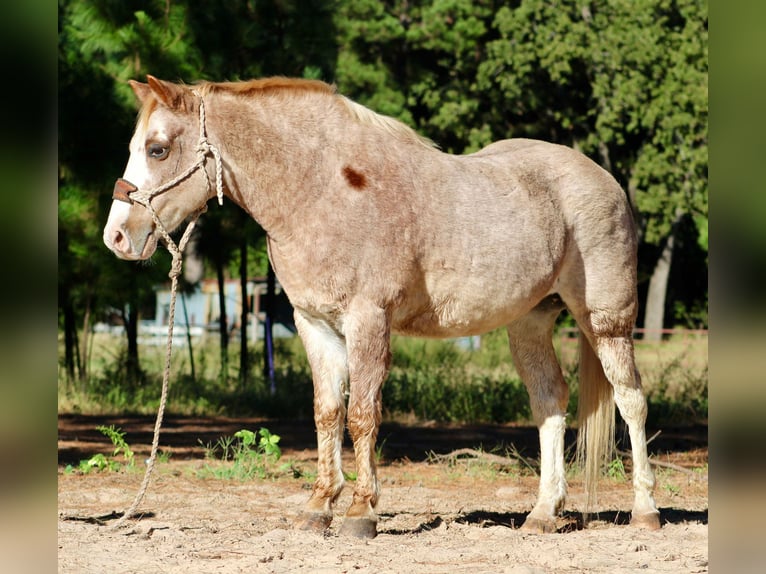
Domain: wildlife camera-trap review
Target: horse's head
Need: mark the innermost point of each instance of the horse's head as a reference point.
(166, 179)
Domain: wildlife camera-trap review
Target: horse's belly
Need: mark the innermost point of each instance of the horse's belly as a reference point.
(458, 304)
(456, 317)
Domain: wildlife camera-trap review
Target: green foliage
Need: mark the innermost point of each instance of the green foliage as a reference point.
(678, 395)
(108, 391)
(246, 455)
(101, 462)
(616, 470)
(454, 394)
(693, 316)
(118, 440)
(97, 462)
(625, 81)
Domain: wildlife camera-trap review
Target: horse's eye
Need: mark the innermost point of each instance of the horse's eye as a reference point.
(157, 151)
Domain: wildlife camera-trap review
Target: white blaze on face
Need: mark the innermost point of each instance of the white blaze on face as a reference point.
(137, 170)
(137, 173)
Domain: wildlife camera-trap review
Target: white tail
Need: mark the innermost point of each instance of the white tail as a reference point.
(595, 416)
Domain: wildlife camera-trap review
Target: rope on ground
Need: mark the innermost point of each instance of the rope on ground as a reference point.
(175, 270)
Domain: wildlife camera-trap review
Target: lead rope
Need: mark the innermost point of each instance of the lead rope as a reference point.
(176, 251)
(175, 271)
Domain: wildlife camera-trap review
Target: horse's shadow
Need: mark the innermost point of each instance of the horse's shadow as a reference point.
(567, 522)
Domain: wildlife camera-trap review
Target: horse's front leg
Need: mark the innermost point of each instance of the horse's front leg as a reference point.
(367, 333)
(326, 353)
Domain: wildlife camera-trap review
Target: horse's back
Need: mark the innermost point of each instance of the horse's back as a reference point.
(592, 204)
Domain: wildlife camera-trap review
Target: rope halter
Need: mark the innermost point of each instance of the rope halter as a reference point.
(129, 193)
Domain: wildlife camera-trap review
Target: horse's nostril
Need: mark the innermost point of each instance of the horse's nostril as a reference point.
(119, 240)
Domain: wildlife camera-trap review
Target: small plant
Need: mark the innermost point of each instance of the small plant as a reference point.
(616, 470)
(379, 451)
(96, 462)
(251, 455)
(117, 436)
(100, 462)
(672, 489)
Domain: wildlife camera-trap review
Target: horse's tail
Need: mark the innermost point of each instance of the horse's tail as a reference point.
(595, 416)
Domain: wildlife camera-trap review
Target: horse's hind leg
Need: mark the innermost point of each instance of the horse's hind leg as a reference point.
(367, 331)
(618, 361)
(607, 325)
(327, 356)
(533, 355)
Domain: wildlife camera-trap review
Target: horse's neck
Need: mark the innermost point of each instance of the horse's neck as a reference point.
(284, 157)
(272, 164)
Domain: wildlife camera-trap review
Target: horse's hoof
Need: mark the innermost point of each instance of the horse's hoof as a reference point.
(650, 521)
(538, 526)
(359, 528)
(314, 521)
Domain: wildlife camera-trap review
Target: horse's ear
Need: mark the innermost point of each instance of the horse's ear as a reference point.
(142, 91)
(172, 95)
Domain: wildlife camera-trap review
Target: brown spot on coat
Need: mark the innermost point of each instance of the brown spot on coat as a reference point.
(354, 178)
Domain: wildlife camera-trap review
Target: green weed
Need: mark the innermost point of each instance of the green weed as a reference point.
(379, 451)
(245, 455)
(616, 470)
(101, 462)
(671, 489)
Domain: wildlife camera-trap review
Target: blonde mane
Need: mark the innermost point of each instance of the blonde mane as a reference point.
(265, 85)
(388, 124)
(357, 111)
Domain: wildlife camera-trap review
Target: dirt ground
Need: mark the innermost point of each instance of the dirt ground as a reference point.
(433, 517)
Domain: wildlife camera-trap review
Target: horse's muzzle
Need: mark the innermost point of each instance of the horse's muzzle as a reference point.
(122, 190)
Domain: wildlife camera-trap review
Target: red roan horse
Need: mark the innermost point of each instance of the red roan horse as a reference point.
(372, 231)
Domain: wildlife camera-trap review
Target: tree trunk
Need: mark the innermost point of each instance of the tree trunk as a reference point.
(654, 316)
(194, 270)
(244, 362)
(84, 351)
(132, 364)
(70, 338)
(189, 338)
(194, 263)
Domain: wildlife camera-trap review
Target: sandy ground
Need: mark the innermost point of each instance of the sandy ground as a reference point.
(433, 517)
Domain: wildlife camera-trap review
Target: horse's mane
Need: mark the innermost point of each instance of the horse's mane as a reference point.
(265, 85)
(386, 123)
(357, 111)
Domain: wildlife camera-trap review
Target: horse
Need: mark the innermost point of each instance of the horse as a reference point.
(372, 230)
